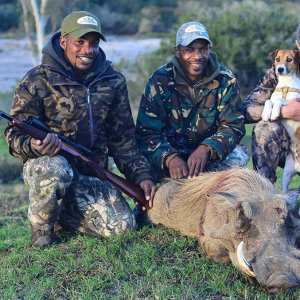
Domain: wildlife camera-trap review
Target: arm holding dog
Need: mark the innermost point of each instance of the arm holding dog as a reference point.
(254, 103)
(292, 110)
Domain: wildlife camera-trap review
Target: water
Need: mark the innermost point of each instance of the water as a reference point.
(16, 59)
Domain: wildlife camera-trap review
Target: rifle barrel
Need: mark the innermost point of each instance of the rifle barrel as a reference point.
(5, 115)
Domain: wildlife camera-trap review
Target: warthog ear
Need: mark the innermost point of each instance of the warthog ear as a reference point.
(244, 214)
(241, 210)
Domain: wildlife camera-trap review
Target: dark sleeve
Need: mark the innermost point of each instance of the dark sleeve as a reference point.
(231, 119)
(121, 141)
(254, 103)
(25, 103)
(151, 122)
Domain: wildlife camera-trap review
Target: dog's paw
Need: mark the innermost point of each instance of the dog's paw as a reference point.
(275, 113)
(265, 116)
(274, 117)
(267, 111)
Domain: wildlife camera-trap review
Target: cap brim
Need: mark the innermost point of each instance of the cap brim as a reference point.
(80, 32)
(190, 39)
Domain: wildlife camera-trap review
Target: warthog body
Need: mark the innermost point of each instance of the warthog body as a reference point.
(238, 216)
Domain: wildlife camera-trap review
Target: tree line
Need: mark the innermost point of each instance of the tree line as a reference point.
(243, 32)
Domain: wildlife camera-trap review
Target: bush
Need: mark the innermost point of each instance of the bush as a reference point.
(9, 16)
(244, 32)
(142, 69)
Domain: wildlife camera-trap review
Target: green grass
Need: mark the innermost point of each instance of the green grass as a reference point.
(152, 263)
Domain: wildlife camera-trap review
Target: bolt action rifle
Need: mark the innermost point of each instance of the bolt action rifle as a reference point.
(38, 130)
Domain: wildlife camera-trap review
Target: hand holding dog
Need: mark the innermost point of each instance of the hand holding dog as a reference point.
(292, 110)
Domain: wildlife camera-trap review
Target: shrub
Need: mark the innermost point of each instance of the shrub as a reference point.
(9, 16)
(244, 32)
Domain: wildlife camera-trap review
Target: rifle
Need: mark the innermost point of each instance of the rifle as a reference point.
(37, 130)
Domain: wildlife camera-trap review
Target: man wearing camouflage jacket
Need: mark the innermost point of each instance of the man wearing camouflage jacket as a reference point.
(75, 91)
(190, 112)
(270, 141)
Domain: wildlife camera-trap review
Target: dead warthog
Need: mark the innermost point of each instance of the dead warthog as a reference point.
(238, 216)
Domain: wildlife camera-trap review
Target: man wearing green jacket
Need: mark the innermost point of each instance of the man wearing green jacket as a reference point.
(190, 113)
(75, 91)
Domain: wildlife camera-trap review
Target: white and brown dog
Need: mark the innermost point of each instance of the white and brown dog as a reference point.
(287, 70)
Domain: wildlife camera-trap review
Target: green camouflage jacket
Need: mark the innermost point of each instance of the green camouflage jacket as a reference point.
(167, 101)
(93, 111)
(254, 103)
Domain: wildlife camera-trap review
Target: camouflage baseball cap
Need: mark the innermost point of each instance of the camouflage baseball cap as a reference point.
(188, 32)
(79, 23)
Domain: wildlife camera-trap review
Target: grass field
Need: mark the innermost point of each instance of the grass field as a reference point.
(152, 263)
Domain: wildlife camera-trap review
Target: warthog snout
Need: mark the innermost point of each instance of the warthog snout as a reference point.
(279, 281)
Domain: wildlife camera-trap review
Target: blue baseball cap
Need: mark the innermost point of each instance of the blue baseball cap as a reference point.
(188, 32)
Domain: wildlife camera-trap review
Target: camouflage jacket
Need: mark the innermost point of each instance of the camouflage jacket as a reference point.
(93, 111)
(169, 98)
(254, 103)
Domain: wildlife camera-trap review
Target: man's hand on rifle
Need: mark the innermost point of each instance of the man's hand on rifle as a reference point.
(50, 146)
(149, 188)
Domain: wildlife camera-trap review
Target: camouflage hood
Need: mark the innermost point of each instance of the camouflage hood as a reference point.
(92, 110)
(53, 56)
(169, 98)
(211, 70)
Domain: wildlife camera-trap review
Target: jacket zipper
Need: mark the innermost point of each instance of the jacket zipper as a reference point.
(90, 112)
(90, 115)
(88, 98)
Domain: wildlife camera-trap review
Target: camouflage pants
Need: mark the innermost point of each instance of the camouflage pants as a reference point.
(238, 158)
(58, 193)
(270, 144)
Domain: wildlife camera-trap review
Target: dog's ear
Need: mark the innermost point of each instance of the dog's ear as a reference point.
(273, 54)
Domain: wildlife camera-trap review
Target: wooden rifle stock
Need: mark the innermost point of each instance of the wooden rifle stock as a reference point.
(133, 191)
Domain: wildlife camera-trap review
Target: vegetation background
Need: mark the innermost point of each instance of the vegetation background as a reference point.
(153, 263)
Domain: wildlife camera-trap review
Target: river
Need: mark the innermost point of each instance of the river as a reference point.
(16, 58)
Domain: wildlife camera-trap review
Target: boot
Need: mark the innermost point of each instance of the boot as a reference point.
(43, 238)
(140, 216)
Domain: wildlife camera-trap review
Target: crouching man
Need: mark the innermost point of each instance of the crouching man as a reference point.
(75, 91)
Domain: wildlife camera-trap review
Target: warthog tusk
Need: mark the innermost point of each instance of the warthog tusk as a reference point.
(246, 268)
